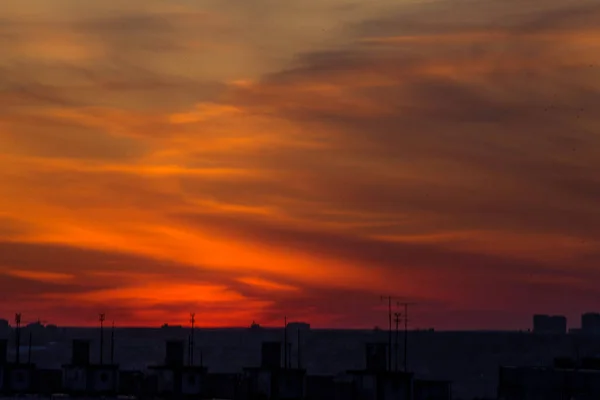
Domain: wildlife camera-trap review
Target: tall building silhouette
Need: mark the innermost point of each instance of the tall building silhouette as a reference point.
(549, 324)
(590, 323)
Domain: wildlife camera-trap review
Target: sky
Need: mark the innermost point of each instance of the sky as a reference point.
(250, 160)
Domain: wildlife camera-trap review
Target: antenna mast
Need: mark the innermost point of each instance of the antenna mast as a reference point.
(397, 320)
(29, 350)
(18, 337)
(192, 320)
(406, 305)
(389, 301)
(285, 346)
(112, 344)
(299, 351)
(101, 318)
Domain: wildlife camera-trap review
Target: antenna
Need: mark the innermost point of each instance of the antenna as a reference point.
(299, 363)
(18, 337)
(192, 320)
(406, 305)
(101, 318)
(285, 347)
(29, 350)
(397, 320)
(389, 300)
(112, 344)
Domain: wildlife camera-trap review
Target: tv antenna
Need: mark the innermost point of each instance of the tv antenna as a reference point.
(18, 337)
(285, 345)
(112, 344)
(397, 316)
(191, 352)
(405, 318)
(101, 318)
(389, 301)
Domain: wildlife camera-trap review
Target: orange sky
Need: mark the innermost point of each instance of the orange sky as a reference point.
(250, 160)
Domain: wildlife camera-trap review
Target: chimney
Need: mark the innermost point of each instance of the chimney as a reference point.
(80, 354)
(376, 356)
(271, 355)
(175, 350)
(3, 351)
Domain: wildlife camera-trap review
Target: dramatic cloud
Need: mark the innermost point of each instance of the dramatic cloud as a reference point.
(269, 159)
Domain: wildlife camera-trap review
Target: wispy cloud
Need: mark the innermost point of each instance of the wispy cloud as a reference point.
(41, 276)
(266, 284)
(297, 158)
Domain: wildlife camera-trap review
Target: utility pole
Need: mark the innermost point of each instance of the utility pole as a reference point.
(389, 300)
(101, 318)
(397, 320)
(192, 320)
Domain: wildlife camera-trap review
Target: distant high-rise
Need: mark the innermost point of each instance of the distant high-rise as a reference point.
(549, 324)
(590, 323)
(298, 325)
(4, 325)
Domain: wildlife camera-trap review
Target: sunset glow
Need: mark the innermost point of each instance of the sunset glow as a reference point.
(260, 159)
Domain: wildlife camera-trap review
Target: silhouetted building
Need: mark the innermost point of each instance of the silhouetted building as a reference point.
(174, 328)
(174, 379)
(3, 362)
(15, 377)
(546, 324)
(573, 381)
(376, 382)
(271, 355)
(590, 323)
(223, 386)
(432, 390)
(376, 356)
(4, 327)
(320, 387)
(344, 387)
(80, 352)
(565, 363)
(132, 383)
(270, 380)
(293, 326)
(3, 351)
(81, 377)
(18, 378)
(381, 385)
(48, 381)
